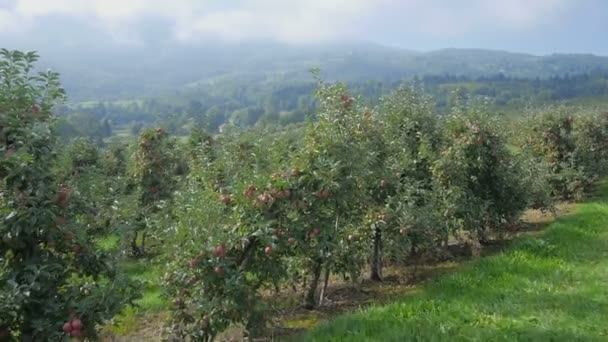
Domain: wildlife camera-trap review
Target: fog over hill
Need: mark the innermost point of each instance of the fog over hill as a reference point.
(107, 49)
(109, 72)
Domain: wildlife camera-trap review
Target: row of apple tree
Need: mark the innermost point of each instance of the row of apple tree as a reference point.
(236, 214)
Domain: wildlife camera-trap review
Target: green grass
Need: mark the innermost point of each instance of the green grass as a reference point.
(151, 301)
(548, 288)
(150, 274)
(146, 271)
(108, 243)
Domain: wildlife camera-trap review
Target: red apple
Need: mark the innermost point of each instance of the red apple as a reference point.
(63, 197)
(323, 194)
(67, 327)
(60, 221)
(35, 108)
(226, 199)
(350, 238)
(205, 322)
(220, 251)
(219, 271)
(268, 250)
(9, 152)
(76, 324)
(5, 334)
(300, 204)
(314, 233)
(346, 100)
(291, 241)
(280, 194)
(279, 232)
(263, 198)
(178, 302)
(250, 193)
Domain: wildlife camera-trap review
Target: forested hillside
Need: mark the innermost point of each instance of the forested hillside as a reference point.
(246, 104)
(114, 74)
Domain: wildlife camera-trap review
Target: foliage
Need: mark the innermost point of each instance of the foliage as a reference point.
(83, 154)
(413, 138)
(260, 209)
(228, 238)
(236, 215)
(154, 173)
(477, 179)
(591, 140)
(333, 165)
(505, 297)
(51, 271)
(550, 137)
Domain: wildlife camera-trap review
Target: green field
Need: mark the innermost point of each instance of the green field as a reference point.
(551, 287)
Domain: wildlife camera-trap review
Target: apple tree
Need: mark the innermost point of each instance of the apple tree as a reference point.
(478, 180)
(330, 174)
(231, 233)
(54, 282)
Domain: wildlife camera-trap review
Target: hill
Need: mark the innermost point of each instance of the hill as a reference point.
(109, 73)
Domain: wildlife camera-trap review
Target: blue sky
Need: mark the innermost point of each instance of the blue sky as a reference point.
(535, 26)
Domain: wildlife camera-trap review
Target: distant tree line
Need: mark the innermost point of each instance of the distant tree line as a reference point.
(245, 105)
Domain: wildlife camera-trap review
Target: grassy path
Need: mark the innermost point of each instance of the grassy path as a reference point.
(552, 287)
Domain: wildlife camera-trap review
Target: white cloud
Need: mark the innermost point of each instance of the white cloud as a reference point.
(521, 14)
(7, 21)
(294, 20)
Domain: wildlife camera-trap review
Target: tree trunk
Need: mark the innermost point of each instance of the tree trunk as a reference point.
(376, 264)
(26, 333)
(143, 243)
(325, 282)
(309, 300)
(134, 248)
(247, 253)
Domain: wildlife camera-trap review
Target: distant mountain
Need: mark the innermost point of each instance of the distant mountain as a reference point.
(108, 72)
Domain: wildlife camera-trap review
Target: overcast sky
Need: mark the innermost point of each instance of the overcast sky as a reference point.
(536, 26)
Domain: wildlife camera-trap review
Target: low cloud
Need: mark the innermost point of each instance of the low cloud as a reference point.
(293, 21)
